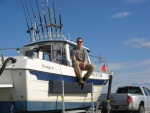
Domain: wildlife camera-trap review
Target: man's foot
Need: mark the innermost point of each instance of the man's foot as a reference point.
(84, 79)
(80, 81)
(83, 85)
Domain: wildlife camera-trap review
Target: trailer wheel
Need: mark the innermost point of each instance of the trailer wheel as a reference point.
(141, 109)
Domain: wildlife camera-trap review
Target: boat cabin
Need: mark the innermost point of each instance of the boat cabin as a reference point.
(57, 51)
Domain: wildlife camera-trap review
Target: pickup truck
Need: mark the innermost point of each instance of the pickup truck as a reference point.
(129, 99)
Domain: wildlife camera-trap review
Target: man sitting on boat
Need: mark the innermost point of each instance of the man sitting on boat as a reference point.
(79, 58)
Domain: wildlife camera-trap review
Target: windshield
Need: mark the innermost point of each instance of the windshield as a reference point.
(131, 90)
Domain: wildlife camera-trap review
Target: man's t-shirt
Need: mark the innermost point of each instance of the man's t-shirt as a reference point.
(80, 54)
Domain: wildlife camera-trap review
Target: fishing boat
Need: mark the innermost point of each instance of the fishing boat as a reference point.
(41, 77)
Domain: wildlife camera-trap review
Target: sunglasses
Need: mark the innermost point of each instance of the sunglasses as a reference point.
(79, 41)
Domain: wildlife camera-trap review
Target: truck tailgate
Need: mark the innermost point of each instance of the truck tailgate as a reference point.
(115, 99)
(118, 99)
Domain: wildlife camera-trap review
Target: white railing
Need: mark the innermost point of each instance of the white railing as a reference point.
(100, 63)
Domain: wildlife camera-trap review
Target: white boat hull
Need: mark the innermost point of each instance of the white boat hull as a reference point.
(24, 88)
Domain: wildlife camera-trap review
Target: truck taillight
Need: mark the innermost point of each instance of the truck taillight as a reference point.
(129, 99)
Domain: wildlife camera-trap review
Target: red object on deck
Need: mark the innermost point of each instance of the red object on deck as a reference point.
(104, 69)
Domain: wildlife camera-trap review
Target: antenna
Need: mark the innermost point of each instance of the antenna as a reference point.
(69, 36)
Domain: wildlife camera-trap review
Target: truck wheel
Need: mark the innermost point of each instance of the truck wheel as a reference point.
(141, 109)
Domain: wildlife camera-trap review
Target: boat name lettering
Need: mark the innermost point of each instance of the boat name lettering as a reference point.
(47, 67)
(97, 74)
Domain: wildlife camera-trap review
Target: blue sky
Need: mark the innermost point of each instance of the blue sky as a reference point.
(119, 30)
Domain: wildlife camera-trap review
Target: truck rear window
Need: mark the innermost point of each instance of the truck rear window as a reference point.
(131, 90)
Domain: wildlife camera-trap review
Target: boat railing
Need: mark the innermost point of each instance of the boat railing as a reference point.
(48, 38)
(100, 63)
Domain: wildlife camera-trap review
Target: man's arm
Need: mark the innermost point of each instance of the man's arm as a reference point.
(73, 58)
(84, 63)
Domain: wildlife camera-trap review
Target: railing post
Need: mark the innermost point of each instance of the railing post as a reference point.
(63, 103)
(92, 99)
(2, 58)
(106, 105)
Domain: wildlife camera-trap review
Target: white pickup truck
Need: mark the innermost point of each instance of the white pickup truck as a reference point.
(128, 98)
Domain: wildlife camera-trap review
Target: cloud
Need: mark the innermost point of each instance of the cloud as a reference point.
(121, 15)
(129, 65)
(138, 43)
(134, 1)
(134, 73)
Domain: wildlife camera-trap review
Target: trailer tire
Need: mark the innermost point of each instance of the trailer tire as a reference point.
(141, 109)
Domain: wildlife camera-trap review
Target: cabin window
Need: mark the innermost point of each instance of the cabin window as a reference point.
(46, 52)
(46, 57)
(29, 53)
(59, 54)
(54, 52)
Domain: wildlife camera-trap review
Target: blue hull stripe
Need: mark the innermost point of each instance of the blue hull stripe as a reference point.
(15, 106)
(51, 76)
(6, 106)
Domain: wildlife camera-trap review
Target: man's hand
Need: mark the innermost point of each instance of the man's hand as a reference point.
(84, 64)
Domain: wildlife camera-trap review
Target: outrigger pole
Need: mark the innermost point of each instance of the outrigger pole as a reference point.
(40, 18)
(28, 31)
(37, 30)
(44, 18)
(32, 28)
(50, 20)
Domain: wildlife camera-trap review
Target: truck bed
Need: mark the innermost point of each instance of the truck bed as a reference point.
(128, 98)
(115, 99)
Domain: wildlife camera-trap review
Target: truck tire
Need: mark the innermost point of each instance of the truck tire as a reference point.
(141, 109)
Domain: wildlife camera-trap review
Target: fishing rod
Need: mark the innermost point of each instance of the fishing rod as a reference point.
(28, 31)
(28, 15)
(50, 20)
(37, 30)
(60, 21)
(54, 19)
(40, 18)
(44, 17)
(32, 28)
